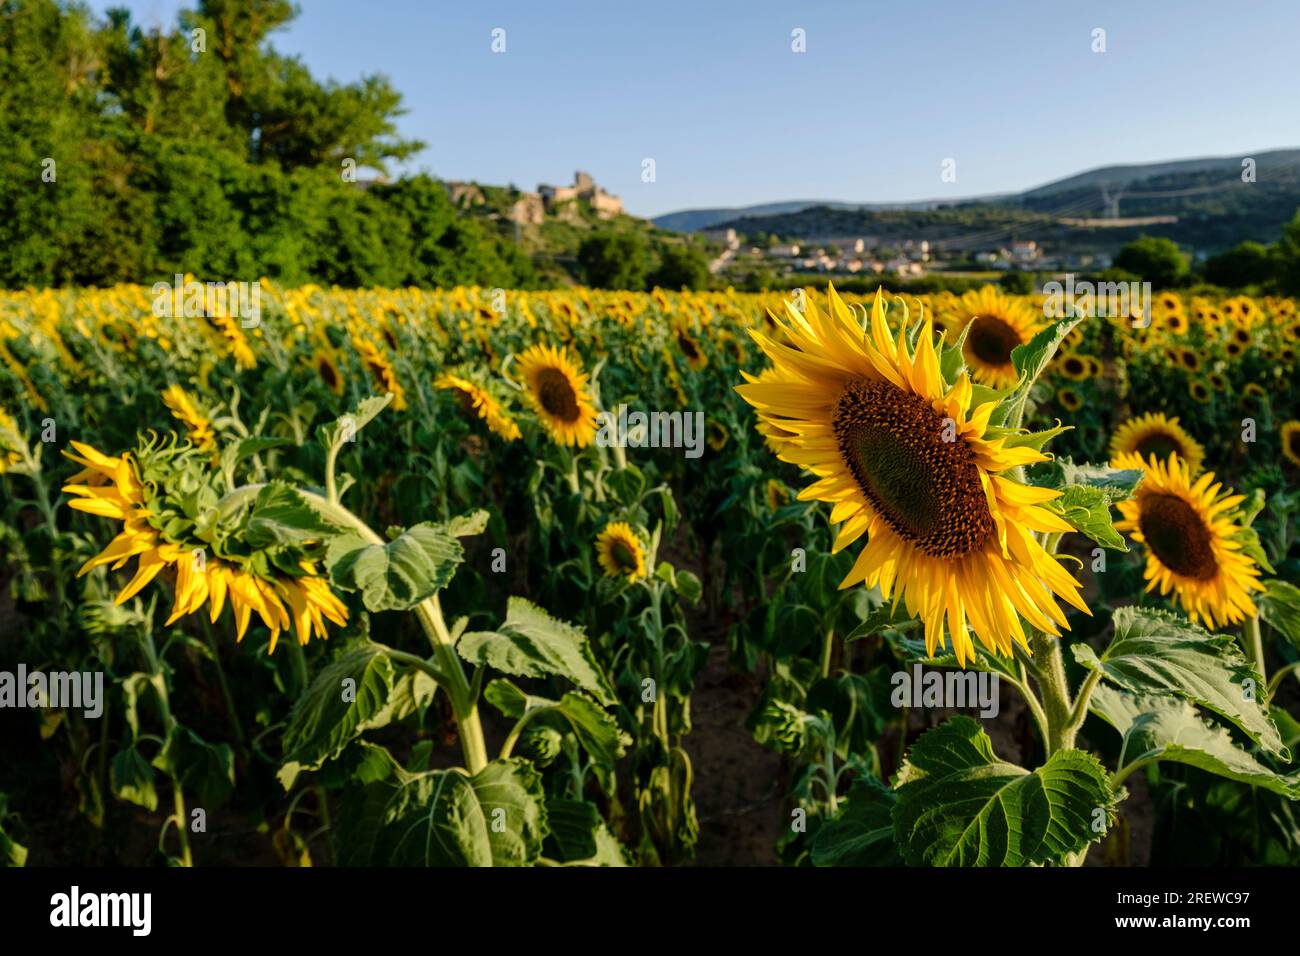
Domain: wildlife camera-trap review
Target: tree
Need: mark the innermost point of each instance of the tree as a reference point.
(615, 260)
(681, 267)
(1155, 260)
(1287, 257)
(1016, 282)
(1247, 264)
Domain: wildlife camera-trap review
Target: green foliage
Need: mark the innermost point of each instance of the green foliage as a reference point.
(1155, 260)
(615, 260)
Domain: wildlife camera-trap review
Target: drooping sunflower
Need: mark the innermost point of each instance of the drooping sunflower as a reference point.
(1190, 533)
(620, 551)
(1291, 442)
(183, 409)
(907, 462)
(1154, 434)
(998, 324)
(381, 370)
(479, 401)
(556, 388)
(323, 361)
(111, 487)
(776, 493)
(9, 439)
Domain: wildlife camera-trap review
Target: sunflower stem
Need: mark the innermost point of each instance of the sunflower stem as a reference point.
(1255, 646)
(429, 612)
(1055, 690)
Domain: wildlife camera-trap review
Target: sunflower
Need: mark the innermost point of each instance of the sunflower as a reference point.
(556, 388)
(776, 493)
(1073, 366)
(10, 438)
(381, 370)
(1190, 535)
(1154, 434)
(323, 361)
(1069, 399)
(1188, 359)
(620, 552)
(183, 409)
(1291, 442)
(1199, 391)
(477, 400)
(696, 358)
(995, 324)
(716, 435)
(908, 463)
(111, 488)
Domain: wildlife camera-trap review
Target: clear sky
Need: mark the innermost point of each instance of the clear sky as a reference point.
(885, 92)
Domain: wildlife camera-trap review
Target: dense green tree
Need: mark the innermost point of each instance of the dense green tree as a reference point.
(1155, 260)
(1287, 258)
(615, 260)
(1247, 264)
(681, 267)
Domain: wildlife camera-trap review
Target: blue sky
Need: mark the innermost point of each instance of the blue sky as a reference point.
(884, 93)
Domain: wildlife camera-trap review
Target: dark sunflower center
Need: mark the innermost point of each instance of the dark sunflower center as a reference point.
(1293, 442)
(623, 555)
(925, 488)
(1161, 445)
(991, 340)
(327, 374)
(1073, 366)
(1178, 536)
(688, 347)
(556, 395)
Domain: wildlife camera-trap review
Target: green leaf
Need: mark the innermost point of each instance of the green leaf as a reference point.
(531, 643)
(234, 453)
(1117, 484)
(12, 853)
(1031, 358)
(1087, 509)
(322, 721)
(863, 832)
(1279, 607)
(466, 525)
(1157, 652)
(579, 836)
(1035, 440)
(131, 779)
(345, 427)
(595, 728)
(627, 485)
(959, 805)
(443, 817)
(207, 770)
(400, 574)
(1165, 728)
(281, 515)
(688, 586)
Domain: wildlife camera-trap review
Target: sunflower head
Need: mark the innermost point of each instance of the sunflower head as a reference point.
(1154, 434)
(620, 551)
(907, 461)
(11, 441)
(1193, 540)
(323, 361)
(476, 400)
(556, 388)
(994, 324)
(1291, 442)
(184, 410)
(161, 494)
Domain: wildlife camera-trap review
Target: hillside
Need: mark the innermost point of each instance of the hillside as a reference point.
(1208, 206)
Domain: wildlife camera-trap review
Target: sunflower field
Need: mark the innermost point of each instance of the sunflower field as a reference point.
(461, 576)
